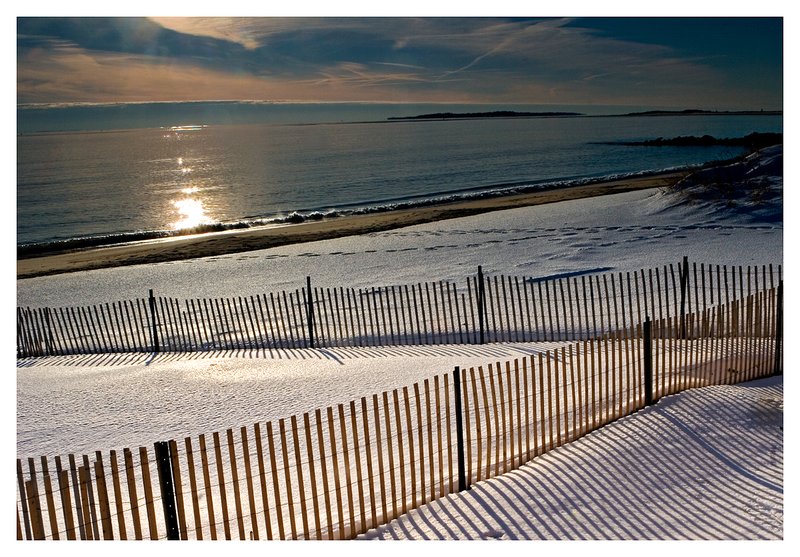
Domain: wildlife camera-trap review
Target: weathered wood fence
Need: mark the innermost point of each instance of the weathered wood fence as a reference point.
(336, 472)
(495, 308)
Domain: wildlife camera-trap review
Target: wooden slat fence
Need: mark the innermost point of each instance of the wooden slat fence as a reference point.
(497, 308)
(336, 472)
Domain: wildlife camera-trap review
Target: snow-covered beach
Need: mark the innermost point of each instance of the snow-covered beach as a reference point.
(618, 233)
(132, 400)
(704, 464)
(401, 278)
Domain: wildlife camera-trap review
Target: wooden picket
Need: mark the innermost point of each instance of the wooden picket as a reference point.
(335, 478)
(509, 309)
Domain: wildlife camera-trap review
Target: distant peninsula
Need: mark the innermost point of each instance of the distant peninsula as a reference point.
(699, 112)
(494, 114)
(517, 114)
(752, 141)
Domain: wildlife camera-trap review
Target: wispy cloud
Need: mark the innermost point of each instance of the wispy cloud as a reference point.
(413, 59)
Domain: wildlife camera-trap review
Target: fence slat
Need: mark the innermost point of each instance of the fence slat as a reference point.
(313, 474)
(35, 509)
(300, 482)
(336, 479)
(102, 500)
(193, 488)
(148, 493)
(412, 461)
(348, 479)
(235, 480)
(90, 494)
(437, 405)
(248, 471)
(488, 463)
(132, 495)
(466, 425)
(447, 426)
(500, 419)
(421, 459)
(212, 518)
(324, 472)
(359, 525)
(83, 474)
(400, 452)
(223, 491)
(66, 504)
(468, 430)
(370, 476)
(23, 501)
(388, 423)
(275, 485)
(262, 475)
(379, 454)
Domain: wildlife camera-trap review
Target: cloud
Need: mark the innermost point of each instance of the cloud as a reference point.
(414, 59)
(114, 77)
(244, 32)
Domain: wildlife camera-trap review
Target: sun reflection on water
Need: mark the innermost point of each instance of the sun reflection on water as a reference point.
(191, 211)
(187, 209)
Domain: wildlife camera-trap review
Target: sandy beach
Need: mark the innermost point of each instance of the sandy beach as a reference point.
(236, 241)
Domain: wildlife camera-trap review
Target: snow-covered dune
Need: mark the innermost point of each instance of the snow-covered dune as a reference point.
(618, 233)
(86, 403)
(704, 464)
(750, 190)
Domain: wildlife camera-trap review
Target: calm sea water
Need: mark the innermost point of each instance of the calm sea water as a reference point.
(115, 186)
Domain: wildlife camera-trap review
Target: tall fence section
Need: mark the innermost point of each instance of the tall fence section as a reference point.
(486, 308)
(337, 472)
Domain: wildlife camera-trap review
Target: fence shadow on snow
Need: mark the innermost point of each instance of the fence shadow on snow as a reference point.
(485, 309)
(608, 497)
(337, 472)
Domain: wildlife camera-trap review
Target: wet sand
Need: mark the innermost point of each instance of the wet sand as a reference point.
(206, 245)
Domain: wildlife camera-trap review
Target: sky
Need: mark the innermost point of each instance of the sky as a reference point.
(679, 62)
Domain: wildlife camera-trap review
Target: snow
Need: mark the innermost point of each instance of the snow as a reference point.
(86, 403)
(704, 464)
(619, 233)
(710, 460)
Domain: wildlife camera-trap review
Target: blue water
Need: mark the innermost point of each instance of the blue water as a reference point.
(120, 185)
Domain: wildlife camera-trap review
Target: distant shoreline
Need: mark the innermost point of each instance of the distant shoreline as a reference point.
(482, 115)
(753, 141)
(432, 117)
(444, 116)
(235, 241)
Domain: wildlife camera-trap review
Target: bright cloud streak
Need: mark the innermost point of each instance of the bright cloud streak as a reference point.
(382, 59)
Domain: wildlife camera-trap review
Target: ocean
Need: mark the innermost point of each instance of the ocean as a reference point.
(198, 172)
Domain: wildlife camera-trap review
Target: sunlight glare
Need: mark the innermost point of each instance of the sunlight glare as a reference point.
(192, 213)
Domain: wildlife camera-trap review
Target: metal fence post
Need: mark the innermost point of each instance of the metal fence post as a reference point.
(684, 288)
(310, 312)
(49, 345)
(164, 465)
(480, 294)
(648, 362)
(462, 476)
(779, 331)
(154, 320)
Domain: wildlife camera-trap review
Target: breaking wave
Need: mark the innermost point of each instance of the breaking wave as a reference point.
(309, 215)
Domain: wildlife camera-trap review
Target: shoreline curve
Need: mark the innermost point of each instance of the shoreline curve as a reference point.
(236, 241)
